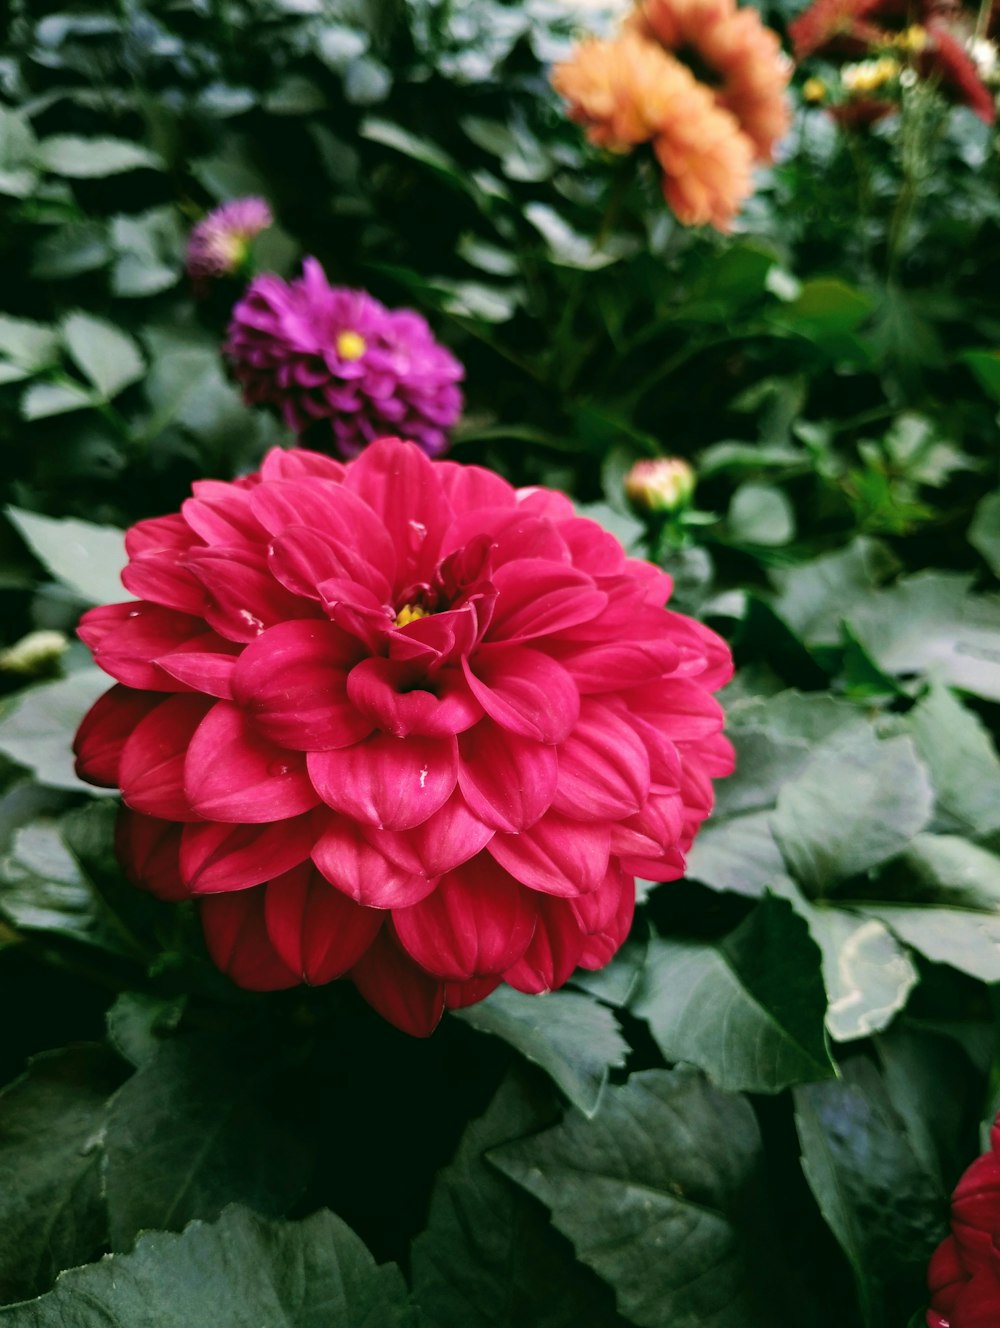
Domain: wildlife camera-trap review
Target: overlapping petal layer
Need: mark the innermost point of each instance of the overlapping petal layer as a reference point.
(964, 1274)
(399, 721)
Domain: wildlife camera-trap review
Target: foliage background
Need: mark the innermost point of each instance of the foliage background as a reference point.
(757, 1112)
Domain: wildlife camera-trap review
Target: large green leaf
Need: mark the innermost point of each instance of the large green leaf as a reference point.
(87, 558)
(489, 1257)
(106, 356)
(572, 1037)
(854, 806)
(814, 597)
(38, 730)
(239, 1272)
(52, 1213)
(872, 1187)
(199, 1125)
(739, 854)
(93, 158)
(962, 759)
(748, 1010)
(984, 531)
(658, 1194)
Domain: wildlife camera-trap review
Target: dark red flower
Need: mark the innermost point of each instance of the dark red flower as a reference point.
(964, 1274)
(398, 721)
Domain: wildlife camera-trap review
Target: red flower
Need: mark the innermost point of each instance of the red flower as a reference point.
(964, 1274)
(947, 60)
(396, 720)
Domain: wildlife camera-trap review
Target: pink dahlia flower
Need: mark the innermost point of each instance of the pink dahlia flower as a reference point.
(336, 361)
(964, 1274)
(219, 244)
(398, 721)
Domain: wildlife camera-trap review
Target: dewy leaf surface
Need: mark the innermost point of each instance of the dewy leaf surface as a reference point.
(853, 807)
(573, 1038)
(239, 1272)
(52, 1214)
(748, 1010)
(657, 1194)
(194, 1129)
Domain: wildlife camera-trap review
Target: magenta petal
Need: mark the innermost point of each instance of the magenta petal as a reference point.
(610, 666)
(233, 774)
(237, 940)
(401, 486)
(318, 932)
(158, 534)
(458, 995)
(149, 851)
(302, 559)
(106, 727)
(592, 548)
(396, 698)
(596, 912)
(208, 671)
(477, 922)
(392, 783)
(556, 856)
(127, 644)
(351, 862)
(332, 511)
(603, 767)
(537, 597)
(508, 781)
(678, 707)
(280, 464)
(221, 514)
(603, 942)
(151, 773)
(553, 951)
(398, 988)
(356, 610)
(216, 857)
(450, 836)
(160, 578)
(292, 681)
(524, 691)
(472, 487)
(244, 597)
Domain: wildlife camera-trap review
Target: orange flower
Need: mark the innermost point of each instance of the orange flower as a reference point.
(706, 159)
(743, 59)
(620, 90)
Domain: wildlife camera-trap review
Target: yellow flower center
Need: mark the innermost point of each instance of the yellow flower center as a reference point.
(814, 89)
(409, 613)
(351, 346)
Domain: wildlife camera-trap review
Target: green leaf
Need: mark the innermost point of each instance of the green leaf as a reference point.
(760, 514)
(37, 730)
(748, 1010)
(931, 624)
(853, 807)
(984, 531)
(78, 246)
(51, 1209)
(148, 252)
(239, 1272)
(816, 596)
(32, 345)
(826, 306)
(965, 939)
(87, 558)
(886, 1212)
(985, 364)
(652, 1193)
(79, 158)
(489, 1257)
(106, 355)
(568, 247)
(410, 145)
(961, 758)
(137, 1022)
(574, 1039)
(194, 1129)
(740, 855)
(43, 400)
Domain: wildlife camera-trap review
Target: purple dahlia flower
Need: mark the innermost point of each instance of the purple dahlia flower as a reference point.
(336, 360)
(218, 244)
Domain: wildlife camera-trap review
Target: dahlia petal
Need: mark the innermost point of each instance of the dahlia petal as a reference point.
(98, 623)
(356, 610)
(477, 923)
(216, 857)
(359, 869)
(151, 771)
(553, 951)
(440, 638)
(158, 533)
(126, 648)
(603, 767)
(458, 995)
(390, 694)
(149, 851)
(401, 487)
(244, 598)
(556, 856)
(472, 487)
(612, 666)
(524, 691)
(302, 559)
(703, 654)
(233, 774)
(545, 503)
(237, 940)
(508, 781)
(221, 514)
(607, 926)
(160, 577)
(397, 988)
(280, 464)
(332, 510)
(208, 671)
(105, 729)
(539, 598)
(292, 681)
(677, 707)
(450, 836)
(592, 548)
(317, 932)
(512, 532)
(388, 782)
(650, 831)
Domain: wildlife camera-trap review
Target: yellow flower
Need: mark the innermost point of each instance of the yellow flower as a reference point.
(814, 90)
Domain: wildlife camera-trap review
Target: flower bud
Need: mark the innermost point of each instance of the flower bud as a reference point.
(34, 654)
(665, 485)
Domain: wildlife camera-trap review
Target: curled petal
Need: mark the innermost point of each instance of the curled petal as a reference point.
(537, 597)
(398, 988)
(126, 639)
(233, 774)
(105, 729)
(524, 691)
(449, 837)
(216, 857)
(603, 767)
(206, 664)
(317, 932)
(237, 940)
(244, 598)
(458, 995)
(149, 851)
(553, 951)
(402, 488)
(298, 463)
(302, 559)
(393, 695)
(361, 870)
(152, 760)
(392, 783)
(477, 923)
(508, 781)
(556, 856)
